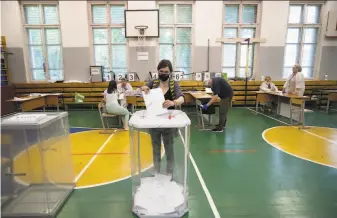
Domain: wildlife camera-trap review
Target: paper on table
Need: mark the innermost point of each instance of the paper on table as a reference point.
(154, 100)
(208, 90)
(121, 96)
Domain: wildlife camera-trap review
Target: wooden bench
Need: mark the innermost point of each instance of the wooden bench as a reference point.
(93, 91)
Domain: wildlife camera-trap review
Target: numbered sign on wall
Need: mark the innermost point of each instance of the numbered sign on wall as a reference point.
(131, 77)
(217, 74)
(177, 76)
(155, 75)
(107, 77)
(207, 76)
(198, 76)
(119, 76)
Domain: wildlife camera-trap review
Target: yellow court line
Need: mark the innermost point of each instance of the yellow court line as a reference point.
(93, 159)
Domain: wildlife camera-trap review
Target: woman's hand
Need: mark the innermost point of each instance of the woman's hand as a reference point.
(145, 89)
(168, 104)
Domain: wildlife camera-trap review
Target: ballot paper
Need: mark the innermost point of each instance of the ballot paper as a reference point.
(208, 90)
(121, 96)
(159, 195)
(154, 100)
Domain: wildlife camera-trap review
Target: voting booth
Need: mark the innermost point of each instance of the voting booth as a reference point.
(36, 166)
(159, 163)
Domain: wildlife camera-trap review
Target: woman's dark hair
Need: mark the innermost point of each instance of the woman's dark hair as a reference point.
(112, 86)
(165, 63)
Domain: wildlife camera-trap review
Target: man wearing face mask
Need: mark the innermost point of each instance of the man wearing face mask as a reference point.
(173, 97)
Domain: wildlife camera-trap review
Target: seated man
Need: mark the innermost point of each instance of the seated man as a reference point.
(123, 88)
(267, 86)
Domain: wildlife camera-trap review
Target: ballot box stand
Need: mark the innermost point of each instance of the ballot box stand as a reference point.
(159, 178)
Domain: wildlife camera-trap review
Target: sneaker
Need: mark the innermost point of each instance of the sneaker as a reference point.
(217, 129)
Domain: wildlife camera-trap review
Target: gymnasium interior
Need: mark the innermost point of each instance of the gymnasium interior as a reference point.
(63, 155)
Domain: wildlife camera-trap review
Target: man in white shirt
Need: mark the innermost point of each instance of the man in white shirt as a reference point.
(123, 88)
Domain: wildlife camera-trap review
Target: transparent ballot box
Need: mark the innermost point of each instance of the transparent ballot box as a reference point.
(36, 167)
(159, 163)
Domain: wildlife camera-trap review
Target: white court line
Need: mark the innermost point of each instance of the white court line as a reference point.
(296, 127)
(93, 158)
(268, 116)
(275, 146)
(320, 137)
(118, 180)
(203, 184)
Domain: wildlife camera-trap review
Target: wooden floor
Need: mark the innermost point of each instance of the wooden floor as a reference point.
(257, 167)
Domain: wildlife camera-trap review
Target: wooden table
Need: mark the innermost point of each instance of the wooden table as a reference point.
(332, 96)
(285, 104)
(198, 97)
(32, 102)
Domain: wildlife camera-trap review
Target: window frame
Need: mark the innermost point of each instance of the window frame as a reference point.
(107, 26)
(42, 27)
(175, 26)
(240, 25)
(302, 26)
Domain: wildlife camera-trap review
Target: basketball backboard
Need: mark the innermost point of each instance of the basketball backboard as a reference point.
(149, 18)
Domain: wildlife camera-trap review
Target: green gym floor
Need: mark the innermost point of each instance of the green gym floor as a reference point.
(247, 177)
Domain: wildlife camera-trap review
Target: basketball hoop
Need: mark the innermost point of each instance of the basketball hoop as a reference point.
(141, 37)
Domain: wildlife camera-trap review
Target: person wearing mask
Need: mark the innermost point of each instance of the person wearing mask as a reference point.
(221, 89)
(173, 97)
(111, 103)
(267, 86)
(295, 84)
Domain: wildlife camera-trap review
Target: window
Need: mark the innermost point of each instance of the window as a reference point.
(239, 21)
(108, 37)
(302, 35)
(175, 42)
(42, 27)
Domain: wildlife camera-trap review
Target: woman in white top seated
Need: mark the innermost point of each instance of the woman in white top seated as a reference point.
(268, 85)
(111, 103)
(295, 84)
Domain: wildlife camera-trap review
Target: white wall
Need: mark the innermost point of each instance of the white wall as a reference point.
(74, 23)
(11, 24)
(274, 20)
(208, 22)
(138, 5)
(329, 6)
